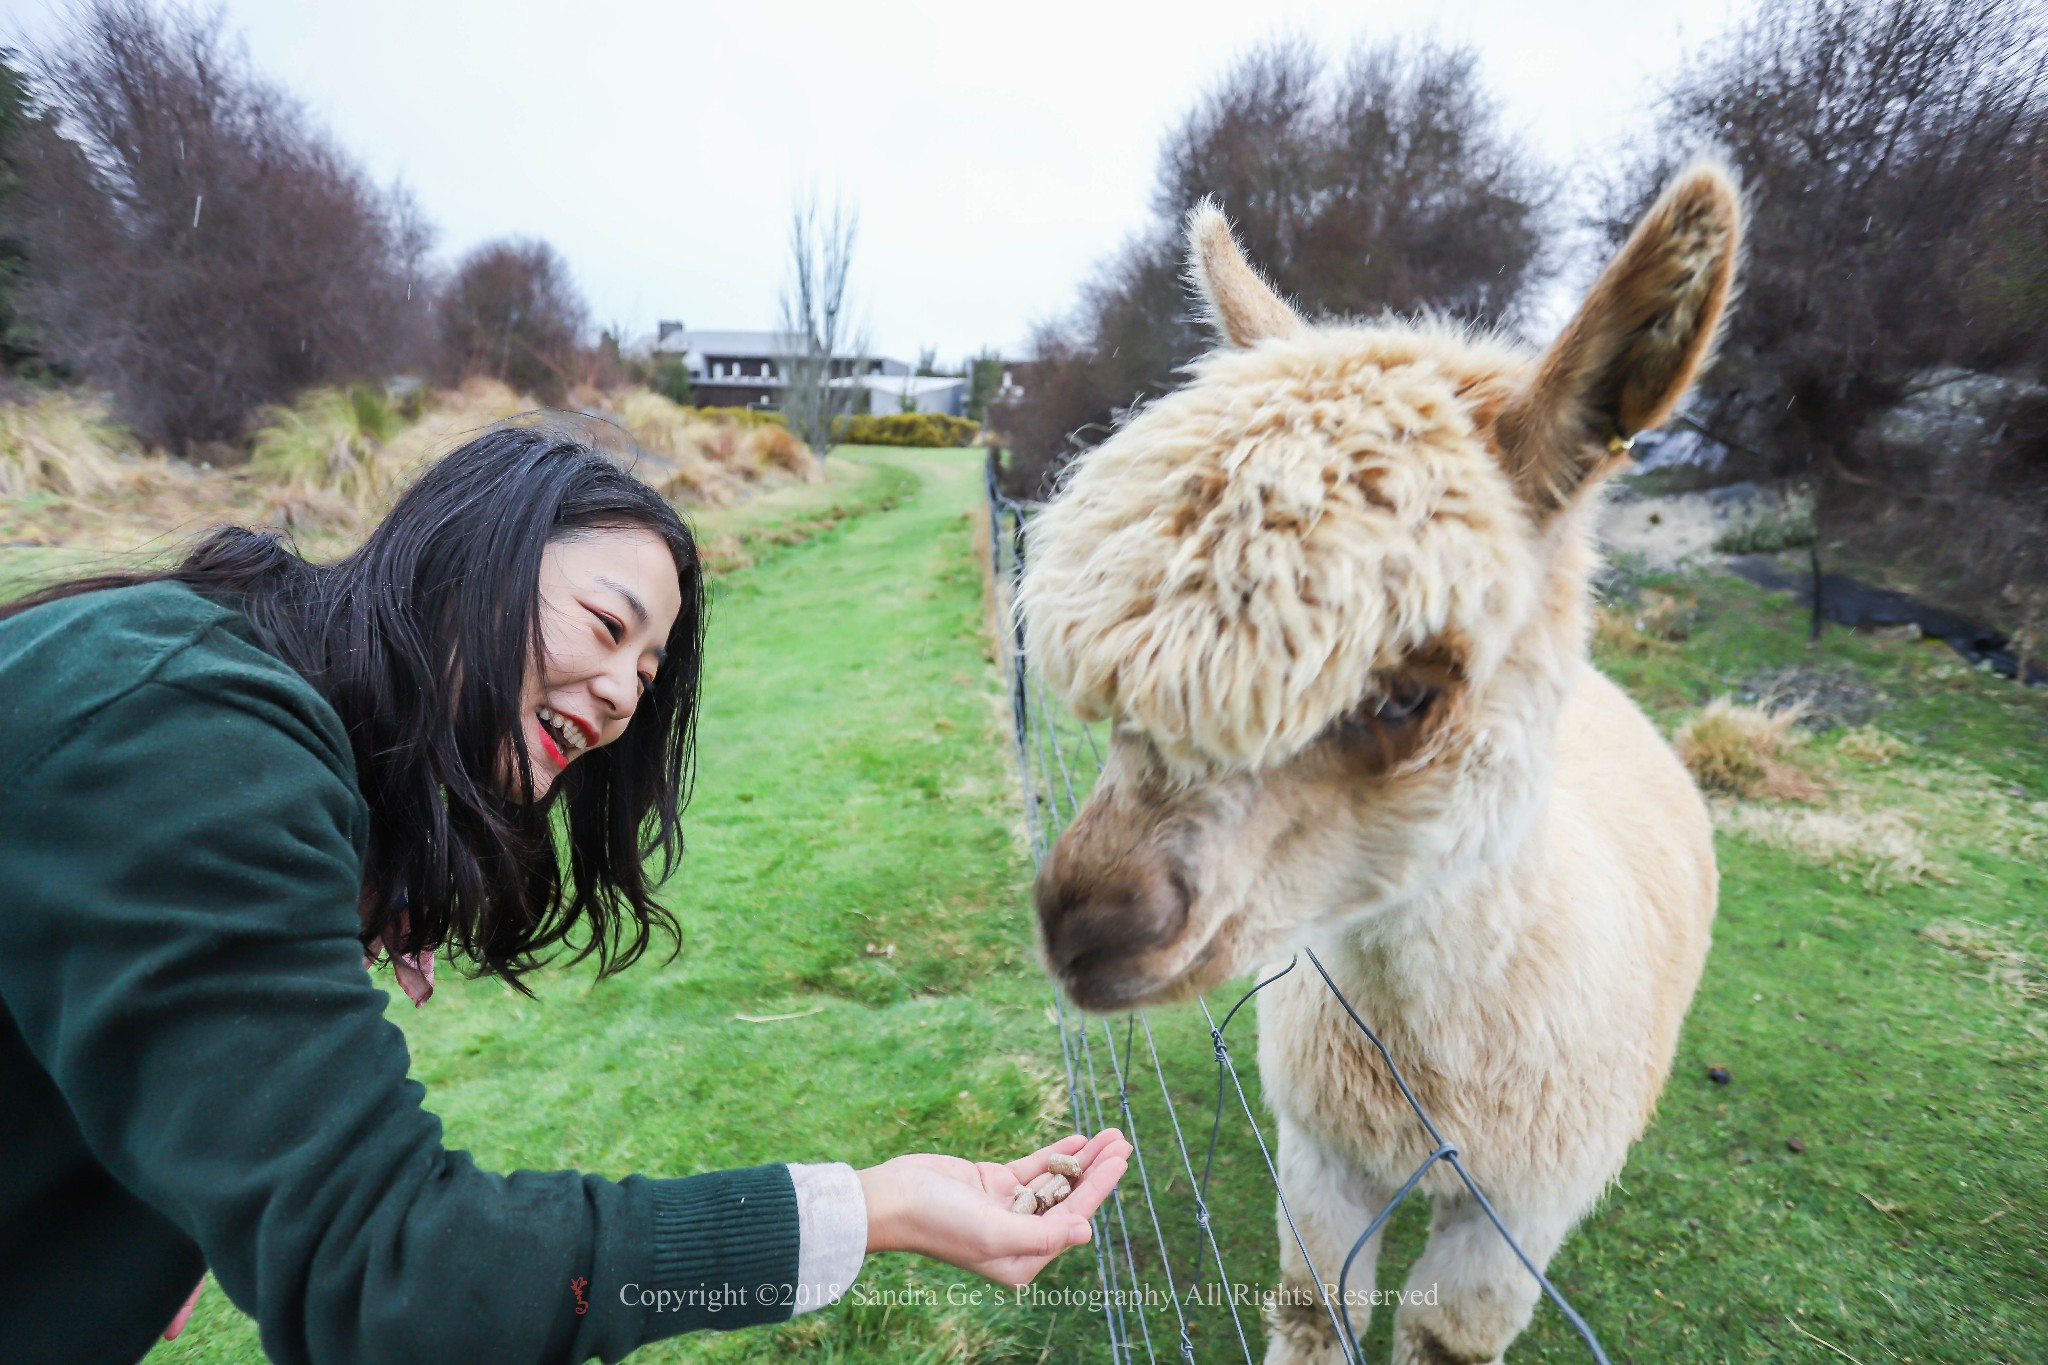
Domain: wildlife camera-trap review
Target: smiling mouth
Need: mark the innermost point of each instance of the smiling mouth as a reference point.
(565, 736)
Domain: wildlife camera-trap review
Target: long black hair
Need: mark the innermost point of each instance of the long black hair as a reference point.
(420, 640)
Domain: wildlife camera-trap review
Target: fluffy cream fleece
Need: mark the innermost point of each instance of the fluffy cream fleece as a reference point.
(1237, 566)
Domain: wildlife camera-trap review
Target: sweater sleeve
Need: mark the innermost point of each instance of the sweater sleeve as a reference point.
(183, 964)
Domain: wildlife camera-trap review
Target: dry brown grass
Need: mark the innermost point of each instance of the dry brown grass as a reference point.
(680, 465)
(2018, 975)
(1874, 848)
(710, 461)
(326, 459)
(452, 416)
(64, 445)
(775, 447)
(70, 476)
(1615, 632)
(1654, 625)
(1868, 744)
(1662, 616)
(334, 460)
(1742, 751)
(1968, 807)
(328, 466)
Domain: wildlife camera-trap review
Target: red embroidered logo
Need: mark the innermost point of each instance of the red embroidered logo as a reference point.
(576, 1287)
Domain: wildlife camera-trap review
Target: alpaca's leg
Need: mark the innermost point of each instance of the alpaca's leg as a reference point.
(1332, 1203)
(1469, 1295)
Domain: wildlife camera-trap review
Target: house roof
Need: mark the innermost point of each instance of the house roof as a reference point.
(761, 344)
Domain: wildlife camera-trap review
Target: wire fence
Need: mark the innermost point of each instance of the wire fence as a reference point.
(1149, 1303)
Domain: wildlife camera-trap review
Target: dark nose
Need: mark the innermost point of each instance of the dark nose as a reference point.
(1098, 917)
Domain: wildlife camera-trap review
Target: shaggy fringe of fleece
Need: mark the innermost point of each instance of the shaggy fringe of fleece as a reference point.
(1232, 569)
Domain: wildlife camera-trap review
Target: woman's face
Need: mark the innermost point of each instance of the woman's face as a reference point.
(608, 599)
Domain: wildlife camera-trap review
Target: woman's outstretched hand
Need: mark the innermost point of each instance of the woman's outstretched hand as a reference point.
(959, 1211)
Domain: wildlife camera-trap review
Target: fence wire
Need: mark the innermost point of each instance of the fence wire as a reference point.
(1058, 759)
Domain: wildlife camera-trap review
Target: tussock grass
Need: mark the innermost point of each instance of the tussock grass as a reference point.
(62, 444)
(707, 460)
(328, 465)
(1615, 632)
(1741, 750)
(776, 447)
(448, 418)
(1656, 624)
(327, 458)
(687, 471)
(334, 460)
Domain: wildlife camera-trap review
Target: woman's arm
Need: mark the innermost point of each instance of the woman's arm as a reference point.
(181, 962)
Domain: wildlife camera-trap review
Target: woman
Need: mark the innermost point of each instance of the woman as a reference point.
(228, 787)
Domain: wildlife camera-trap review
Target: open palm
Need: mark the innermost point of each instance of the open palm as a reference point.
(958, 1211)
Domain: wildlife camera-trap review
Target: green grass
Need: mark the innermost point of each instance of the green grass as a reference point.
(739, 536)
(856, 789)
(23, 568)
(1768, 534)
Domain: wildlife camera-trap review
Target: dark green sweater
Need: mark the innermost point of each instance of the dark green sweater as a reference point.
(196, 1071)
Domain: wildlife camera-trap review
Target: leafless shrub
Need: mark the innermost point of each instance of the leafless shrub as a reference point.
(512, 313)
(1896, 156)
(1384, 184)
(190, 239)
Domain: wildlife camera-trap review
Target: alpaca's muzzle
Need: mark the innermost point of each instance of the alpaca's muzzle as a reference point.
(1101, 922)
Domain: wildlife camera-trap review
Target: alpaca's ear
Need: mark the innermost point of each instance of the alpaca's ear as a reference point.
(1642, 335)
(1241, 307)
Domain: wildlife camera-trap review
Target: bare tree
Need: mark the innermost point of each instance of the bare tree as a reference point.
(822, 343)
(1386, 183)
(1894, 153)
(512, 312)
(189, 238)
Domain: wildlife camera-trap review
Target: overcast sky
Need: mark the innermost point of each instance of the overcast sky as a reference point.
(995, 151)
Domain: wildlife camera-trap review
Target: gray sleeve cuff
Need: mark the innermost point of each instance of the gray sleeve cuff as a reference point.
(832, 1217)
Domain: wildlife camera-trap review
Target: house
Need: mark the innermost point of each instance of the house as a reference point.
(887, 393)
(743, 369)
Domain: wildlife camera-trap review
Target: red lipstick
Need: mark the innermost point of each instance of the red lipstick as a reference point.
(548, 742)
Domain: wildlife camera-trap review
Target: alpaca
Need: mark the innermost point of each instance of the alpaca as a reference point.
(1332, 594)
